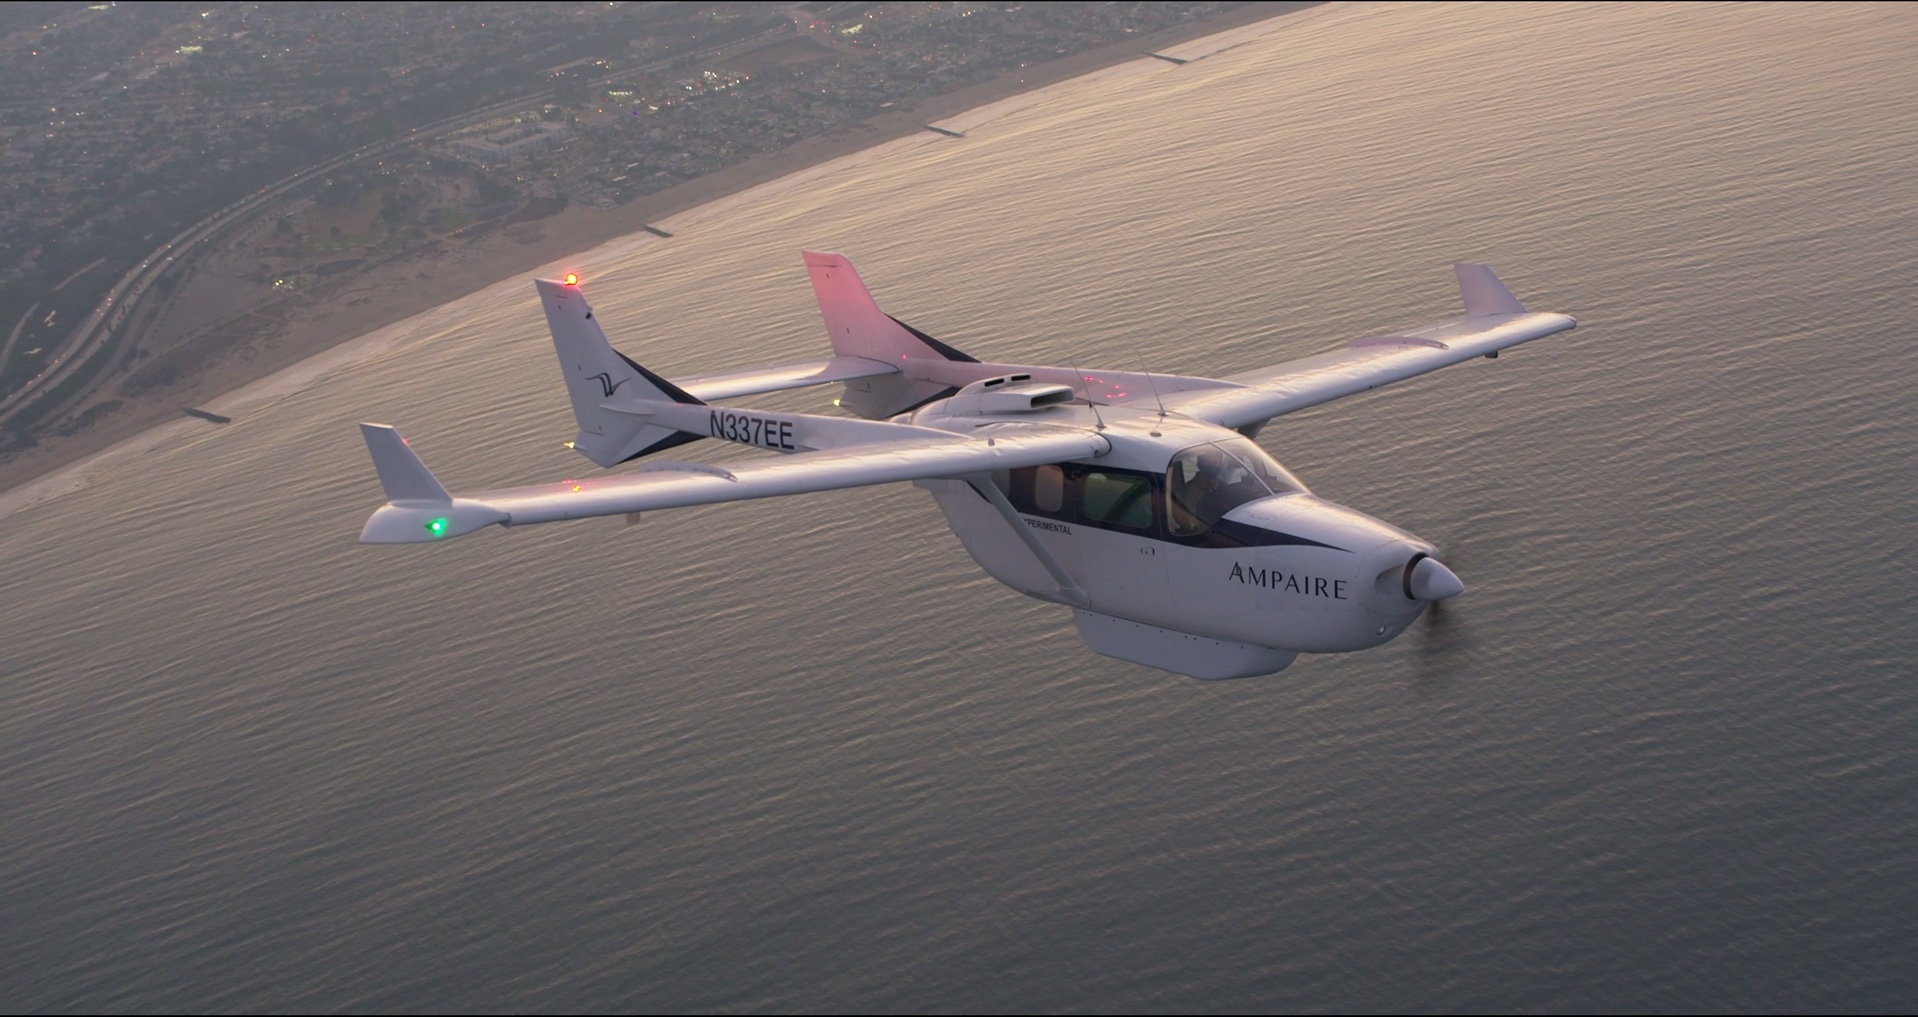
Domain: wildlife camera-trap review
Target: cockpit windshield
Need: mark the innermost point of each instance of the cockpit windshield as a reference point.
(1276, 477)
(1205, 482)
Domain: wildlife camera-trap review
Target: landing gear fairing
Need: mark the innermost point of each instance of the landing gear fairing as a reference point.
(1136, 500)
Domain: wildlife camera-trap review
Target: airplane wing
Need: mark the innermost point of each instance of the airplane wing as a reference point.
(419, 509)
(1494, 320)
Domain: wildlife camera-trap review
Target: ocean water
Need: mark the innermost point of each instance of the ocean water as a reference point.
(802, 755)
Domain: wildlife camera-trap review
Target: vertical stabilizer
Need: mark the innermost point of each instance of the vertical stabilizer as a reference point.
(604, 384)
(857, 327)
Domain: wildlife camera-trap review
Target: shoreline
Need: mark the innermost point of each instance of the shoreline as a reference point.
(328, 337)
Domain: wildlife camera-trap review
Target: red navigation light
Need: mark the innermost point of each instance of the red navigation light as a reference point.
(572, 278)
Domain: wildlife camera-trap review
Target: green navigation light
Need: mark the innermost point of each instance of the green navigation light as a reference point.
(437, 527)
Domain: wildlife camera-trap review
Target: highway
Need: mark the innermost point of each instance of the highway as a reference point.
(96, 332)
(100, 326)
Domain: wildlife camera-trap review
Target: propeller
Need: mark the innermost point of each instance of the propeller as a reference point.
(1443, 630)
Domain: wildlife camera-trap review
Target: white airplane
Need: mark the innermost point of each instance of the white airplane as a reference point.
(1138, 500)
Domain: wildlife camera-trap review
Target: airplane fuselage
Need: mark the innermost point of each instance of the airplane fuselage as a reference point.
(1279, 572)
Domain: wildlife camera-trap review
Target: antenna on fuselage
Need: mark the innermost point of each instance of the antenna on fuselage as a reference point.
(1155, 398)
(1085, 385)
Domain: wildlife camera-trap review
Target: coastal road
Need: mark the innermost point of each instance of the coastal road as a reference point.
(96, 332)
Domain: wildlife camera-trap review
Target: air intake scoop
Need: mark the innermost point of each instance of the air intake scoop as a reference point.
(1016, 393)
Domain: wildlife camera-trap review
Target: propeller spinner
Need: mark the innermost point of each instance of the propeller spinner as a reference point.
(1427, 578)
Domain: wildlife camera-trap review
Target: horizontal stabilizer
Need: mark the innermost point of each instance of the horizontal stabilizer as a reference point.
(778, 379)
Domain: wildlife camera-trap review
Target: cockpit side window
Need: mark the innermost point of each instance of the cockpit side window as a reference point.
(1205, 482)
(1182, 494)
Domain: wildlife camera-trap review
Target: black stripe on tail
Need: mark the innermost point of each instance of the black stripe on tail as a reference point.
(679, 395)
(937, 347)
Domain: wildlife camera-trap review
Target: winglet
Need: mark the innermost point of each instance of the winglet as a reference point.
(417, 510)
(402, 474)
(1483, 293)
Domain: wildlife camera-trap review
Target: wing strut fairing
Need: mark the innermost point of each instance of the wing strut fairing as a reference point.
(1069, 589)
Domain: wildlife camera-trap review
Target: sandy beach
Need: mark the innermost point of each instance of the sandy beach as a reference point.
(302, 346)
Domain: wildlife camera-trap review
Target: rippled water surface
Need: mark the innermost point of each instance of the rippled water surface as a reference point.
(803, 755)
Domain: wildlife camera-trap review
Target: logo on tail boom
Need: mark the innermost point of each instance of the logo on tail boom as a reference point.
(607, 384)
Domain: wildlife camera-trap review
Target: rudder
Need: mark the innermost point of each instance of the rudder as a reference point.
(601, 381)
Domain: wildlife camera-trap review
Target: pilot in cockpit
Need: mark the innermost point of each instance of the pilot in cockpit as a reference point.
(1205, 482)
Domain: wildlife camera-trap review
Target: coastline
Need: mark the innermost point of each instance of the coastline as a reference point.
(322, 339)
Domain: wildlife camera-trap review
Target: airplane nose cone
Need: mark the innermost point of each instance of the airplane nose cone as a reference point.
(1429, 579)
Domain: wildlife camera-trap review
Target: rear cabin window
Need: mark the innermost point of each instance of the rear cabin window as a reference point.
(1072, 492)
(1123, 500)
(1049, 488)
